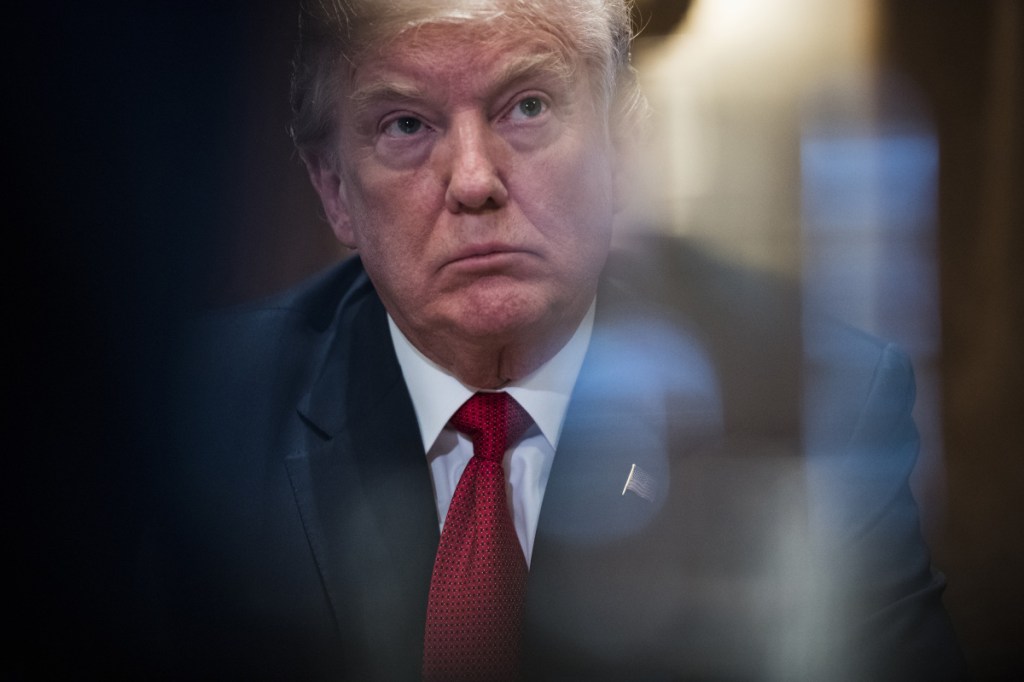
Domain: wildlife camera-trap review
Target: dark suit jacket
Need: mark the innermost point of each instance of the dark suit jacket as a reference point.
(778, 539)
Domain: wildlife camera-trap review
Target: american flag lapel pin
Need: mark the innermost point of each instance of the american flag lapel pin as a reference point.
(639, 483)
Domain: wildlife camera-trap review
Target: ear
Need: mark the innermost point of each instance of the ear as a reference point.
(328, 184)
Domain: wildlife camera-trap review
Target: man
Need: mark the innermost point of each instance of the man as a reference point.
(652, 523)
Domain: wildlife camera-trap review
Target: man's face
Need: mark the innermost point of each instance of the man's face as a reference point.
(475, 178)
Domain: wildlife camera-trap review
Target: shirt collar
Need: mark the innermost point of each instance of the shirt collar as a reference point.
(544, 394)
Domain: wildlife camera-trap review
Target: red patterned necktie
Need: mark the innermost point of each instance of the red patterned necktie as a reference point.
(474, 613)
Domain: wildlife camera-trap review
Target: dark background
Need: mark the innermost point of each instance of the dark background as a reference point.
(150, 175)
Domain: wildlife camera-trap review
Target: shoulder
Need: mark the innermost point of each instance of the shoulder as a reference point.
(311, 305)
(247, 363)
(277, 326)
(781, 370)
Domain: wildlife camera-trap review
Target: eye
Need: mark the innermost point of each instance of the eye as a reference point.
(529, 107)
(403, 126)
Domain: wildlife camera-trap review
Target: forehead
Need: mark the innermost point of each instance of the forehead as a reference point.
(502, 48)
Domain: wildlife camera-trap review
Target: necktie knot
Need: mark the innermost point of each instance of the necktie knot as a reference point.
(493, 421)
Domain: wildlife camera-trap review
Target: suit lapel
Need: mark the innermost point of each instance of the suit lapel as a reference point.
(363, 489)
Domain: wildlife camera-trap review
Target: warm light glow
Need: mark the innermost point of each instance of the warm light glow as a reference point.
(822, 30)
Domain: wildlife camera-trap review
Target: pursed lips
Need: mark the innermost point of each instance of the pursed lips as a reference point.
(485, 254)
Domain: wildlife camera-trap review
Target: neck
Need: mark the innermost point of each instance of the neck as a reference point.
(498, 363)
(493, 362)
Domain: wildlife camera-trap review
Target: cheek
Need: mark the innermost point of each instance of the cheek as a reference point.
(577, 200)
(395, 237)
(591, 214)
(392, 212)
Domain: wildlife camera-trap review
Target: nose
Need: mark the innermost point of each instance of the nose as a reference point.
(475, 175)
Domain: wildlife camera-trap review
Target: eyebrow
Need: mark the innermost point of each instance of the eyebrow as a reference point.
(542, 64)
(385, 90)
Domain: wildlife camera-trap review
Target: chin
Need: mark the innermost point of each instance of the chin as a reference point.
(498, 326)
(505, 316)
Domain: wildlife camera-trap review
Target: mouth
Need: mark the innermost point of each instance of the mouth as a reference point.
(486, 255)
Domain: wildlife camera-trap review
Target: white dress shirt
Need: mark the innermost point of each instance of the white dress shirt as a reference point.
(544, 394)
